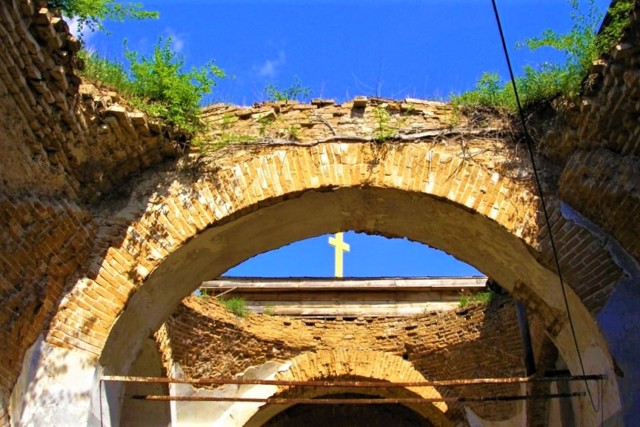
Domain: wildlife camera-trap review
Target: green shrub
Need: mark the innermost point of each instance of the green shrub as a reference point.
(203, 293)
(294, 132)
(294, 92)
(157, 84)
(479, 297)
(237, 306)
(108, 73)
(164, 90)
(581, 45)
(383, 130)
(490, 91)
(91, 13)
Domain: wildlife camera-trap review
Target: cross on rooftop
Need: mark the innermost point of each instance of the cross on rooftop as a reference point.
(340, 247)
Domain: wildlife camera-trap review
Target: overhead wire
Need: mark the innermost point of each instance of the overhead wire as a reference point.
(543, 203)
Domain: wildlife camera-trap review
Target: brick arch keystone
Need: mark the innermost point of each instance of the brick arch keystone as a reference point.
(195, 226)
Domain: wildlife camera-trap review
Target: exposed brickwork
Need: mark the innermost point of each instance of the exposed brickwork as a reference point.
(605, 186)
(256, 174)
(37, 75)
(42, 242)
(75, 140)
(352, 363)
(62, 142)
(362, 119)
(65, 144)
(119, 143)
(597, 139)
(606, 116)
(208, 341)
(584, 262)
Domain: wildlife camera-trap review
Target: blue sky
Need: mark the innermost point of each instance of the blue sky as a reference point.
(340, 49)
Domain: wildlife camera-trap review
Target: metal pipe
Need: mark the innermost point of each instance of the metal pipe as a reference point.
(355, 384)
(525, 338)
(352, 401)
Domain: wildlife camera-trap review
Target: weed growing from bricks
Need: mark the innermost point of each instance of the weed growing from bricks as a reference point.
(237, 306)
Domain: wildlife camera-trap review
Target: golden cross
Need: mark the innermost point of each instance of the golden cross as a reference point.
(340, 245)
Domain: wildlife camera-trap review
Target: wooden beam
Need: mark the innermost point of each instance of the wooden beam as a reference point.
(361, 284)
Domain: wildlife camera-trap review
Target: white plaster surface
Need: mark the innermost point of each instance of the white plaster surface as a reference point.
(224, 414)
(54, 388)
(518, 420)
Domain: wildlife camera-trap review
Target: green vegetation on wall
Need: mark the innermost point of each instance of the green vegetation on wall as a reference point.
(384, 130)
(91, 13)
(581, 45)
(163, 89)
(158, 84)
(295, 91)
(237, 306)
(477, 297)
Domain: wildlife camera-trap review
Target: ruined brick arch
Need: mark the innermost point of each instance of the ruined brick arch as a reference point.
(353, 363)
(195, 226)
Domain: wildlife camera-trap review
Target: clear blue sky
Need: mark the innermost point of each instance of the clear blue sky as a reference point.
(340, 49)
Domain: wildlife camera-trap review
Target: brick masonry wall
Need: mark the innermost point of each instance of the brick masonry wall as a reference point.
(361, 119)
(63, 143)
(477, 341)
(597, 140)
(76, 140)
(66, 144)
(605, 116)
(42, 244)
(62, 161)
(155, 224)
(350, 363)
(37, 85)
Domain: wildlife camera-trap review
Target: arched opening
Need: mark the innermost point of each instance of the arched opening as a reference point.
(345, 366)
(471, 237)
(368, 256)
(193, 227)
(377, 415)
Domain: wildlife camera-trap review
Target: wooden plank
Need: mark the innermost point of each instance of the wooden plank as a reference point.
(346, 296)
(386, 310)
(322, 297)
(364, 284)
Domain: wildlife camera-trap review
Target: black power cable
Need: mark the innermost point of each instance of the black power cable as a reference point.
(529, 143)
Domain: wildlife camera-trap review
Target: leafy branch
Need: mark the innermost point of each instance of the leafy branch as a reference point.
(91, 13)
(581, 45)
(295, 91)
(158, 84)
(163, 89)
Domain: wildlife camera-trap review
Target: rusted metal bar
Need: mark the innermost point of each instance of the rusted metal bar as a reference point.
(100, 385)
(351, 401)
(355, 384)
